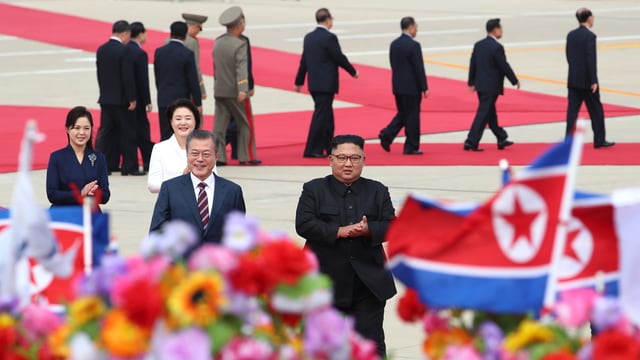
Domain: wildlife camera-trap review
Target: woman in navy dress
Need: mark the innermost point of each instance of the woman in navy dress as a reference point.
(77, 169)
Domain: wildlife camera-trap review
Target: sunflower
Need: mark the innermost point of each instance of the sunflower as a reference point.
(122, 337)
(197, 299)
(85, 310)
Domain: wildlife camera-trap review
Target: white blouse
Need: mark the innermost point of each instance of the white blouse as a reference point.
(168, 160)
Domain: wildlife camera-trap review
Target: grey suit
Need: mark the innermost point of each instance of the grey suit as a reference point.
(230, 63)
(177, 200)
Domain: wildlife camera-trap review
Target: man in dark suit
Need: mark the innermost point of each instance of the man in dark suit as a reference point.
(176, 75)
(143, 98)
(344, 219)
(321, 57)
(117, 102)
(487, 70)
(200, 197)
(409, 83)
(583, 78)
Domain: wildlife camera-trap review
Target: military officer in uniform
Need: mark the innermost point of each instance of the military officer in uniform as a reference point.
(194, 27)
(231, 87)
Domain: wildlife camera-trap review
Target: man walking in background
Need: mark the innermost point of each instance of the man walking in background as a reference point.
(321, 57)
(143, 98)
(409, 83)
(231, 87)
(194, 27)
(176, 75)
(582, 82)
(117, 102)
(487, 70)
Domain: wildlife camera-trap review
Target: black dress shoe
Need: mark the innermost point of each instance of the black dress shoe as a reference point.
(221, 163)
(603, 144)
(413, 152)
(133, 173)
(470, 147)
(314, 155)
(251, 162)
(384, 142)
(504, 143)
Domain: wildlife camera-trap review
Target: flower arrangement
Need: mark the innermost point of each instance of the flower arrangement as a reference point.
(255, 296)
(583, 325)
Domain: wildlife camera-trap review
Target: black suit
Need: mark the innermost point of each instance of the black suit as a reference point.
(321, 57)
(117, 89)
(581, 56)
(362, 283)
(177, 201)
(487, 70)
(409, 81)
(143, 98)
(176, 78)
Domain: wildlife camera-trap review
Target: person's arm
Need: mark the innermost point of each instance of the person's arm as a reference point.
(55, 192)
(378, 228)
(308, 223)
(505, 68)
(192, 79)
(242, 70)
(154, 177)
(302, 72)
(162, 209)
(103, 178)
(591, 62)
(417, 61)
(144, 78)
(335, 52)
(472, 69)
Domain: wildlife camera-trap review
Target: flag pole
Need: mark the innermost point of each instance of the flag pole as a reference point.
(87, 205)
(564, 214)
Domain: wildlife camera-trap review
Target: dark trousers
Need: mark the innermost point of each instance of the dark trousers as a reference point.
(368, 312)
(232, 138)
(322, 125)
(594, 107)
(165, 128)
(117, 135)
(486, 115)
(408, 116)
(143, 135)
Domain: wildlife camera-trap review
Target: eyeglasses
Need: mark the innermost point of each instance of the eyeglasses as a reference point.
(342, 158)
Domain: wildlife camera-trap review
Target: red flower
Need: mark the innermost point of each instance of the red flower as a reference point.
(559, 355)
(612, 344)
(286, 261)
(410, 308)
(141, 301)
(8, 338)
(250, 276)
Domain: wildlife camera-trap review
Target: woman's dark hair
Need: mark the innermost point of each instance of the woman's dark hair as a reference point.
(183, 103)
(72, 117)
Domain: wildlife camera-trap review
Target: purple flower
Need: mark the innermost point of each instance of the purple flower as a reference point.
(585, 352)
(99, 282)
(9, 304)
(174, 240)
(492, 336)
(606, 313)
(191, 343)
(327, 332)
(240, 232)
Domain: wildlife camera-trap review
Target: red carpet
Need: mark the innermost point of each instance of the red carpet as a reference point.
(450, 106)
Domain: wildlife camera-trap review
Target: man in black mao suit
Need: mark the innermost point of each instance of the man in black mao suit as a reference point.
(582, 82)
(487, 70)
(344, 219)
(409, 83)
(143, 98)
(117, 102)
(321, 57)
(176, 75)
(178, 197)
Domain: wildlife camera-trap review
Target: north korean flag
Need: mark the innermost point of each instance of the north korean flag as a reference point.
(494, 258)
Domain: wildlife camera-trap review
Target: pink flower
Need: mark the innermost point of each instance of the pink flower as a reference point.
(574, 307)
(363, 349)
(212, 256)
(247, 349)
(456, 352)
(39, 321)
(433, 321)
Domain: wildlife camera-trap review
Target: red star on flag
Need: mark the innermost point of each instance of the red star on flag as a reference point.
(521, 221)
(569, 251)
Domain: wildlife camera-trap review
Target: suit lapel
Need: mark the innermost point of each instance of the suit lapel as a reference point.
(190, 198)
(219, 193)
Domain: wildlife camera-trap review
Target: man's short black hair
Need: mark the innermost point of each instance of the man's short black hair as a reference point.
(137, 28)
(179, 30)
(200, 134)
(323, 15)
(407, 21)
(120, 26)
(493, 24)
(347, 139)
(583, 14)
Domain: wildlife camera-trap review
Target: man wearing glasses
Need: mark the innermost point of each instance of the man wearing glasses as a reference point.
(344, 219)
(200, 197)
